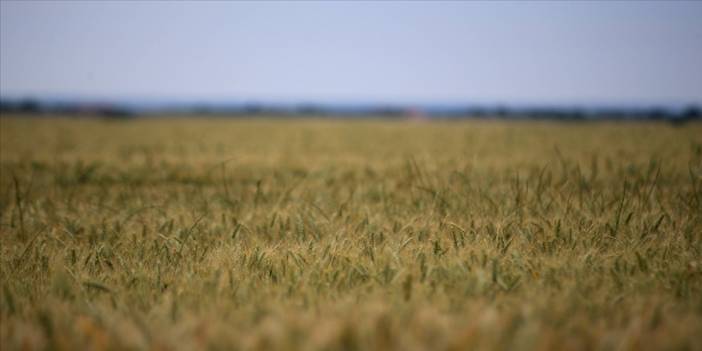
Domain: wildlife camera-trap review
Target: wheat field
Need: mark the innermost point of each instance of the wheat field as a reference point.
(314, 234)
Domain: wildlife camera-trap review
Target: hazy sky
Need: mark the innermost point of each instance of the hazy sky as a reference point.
(535, 52)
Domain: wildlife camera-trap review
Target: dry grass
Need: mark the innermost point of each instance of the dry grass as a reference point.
(322, 235)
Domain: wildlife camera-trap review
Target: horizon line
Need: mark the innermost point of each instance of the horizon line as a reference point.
(417, 103)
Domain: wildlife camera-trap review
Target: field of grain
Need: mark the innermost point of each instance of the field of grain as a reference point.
(187, 234)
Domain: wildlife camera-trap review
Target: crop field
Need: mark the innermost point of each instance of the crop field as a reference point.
(243, 234)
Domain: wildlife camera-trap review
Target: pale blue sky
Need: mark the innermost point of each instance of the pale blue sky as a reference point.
(440, 52)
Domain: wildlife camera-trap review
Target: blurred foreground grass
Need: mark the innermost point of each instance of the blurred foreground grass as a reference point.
(181, 234)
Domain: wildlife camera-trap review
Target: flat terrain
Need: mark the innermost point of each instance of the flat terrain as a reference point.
(181, 234)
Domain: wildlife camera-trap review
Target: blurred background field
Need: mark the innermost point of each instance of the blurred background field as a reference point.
(322, 234)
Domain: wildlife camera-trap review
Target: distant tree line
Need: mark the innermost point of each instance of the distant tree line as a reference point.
(33, 107)
(689, 113)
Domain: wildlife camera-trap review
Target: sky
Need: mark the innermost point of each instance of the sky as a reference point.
(394, 52)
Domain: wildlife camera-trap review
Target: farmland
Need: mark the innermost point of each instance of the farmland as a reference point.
(311, 234)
